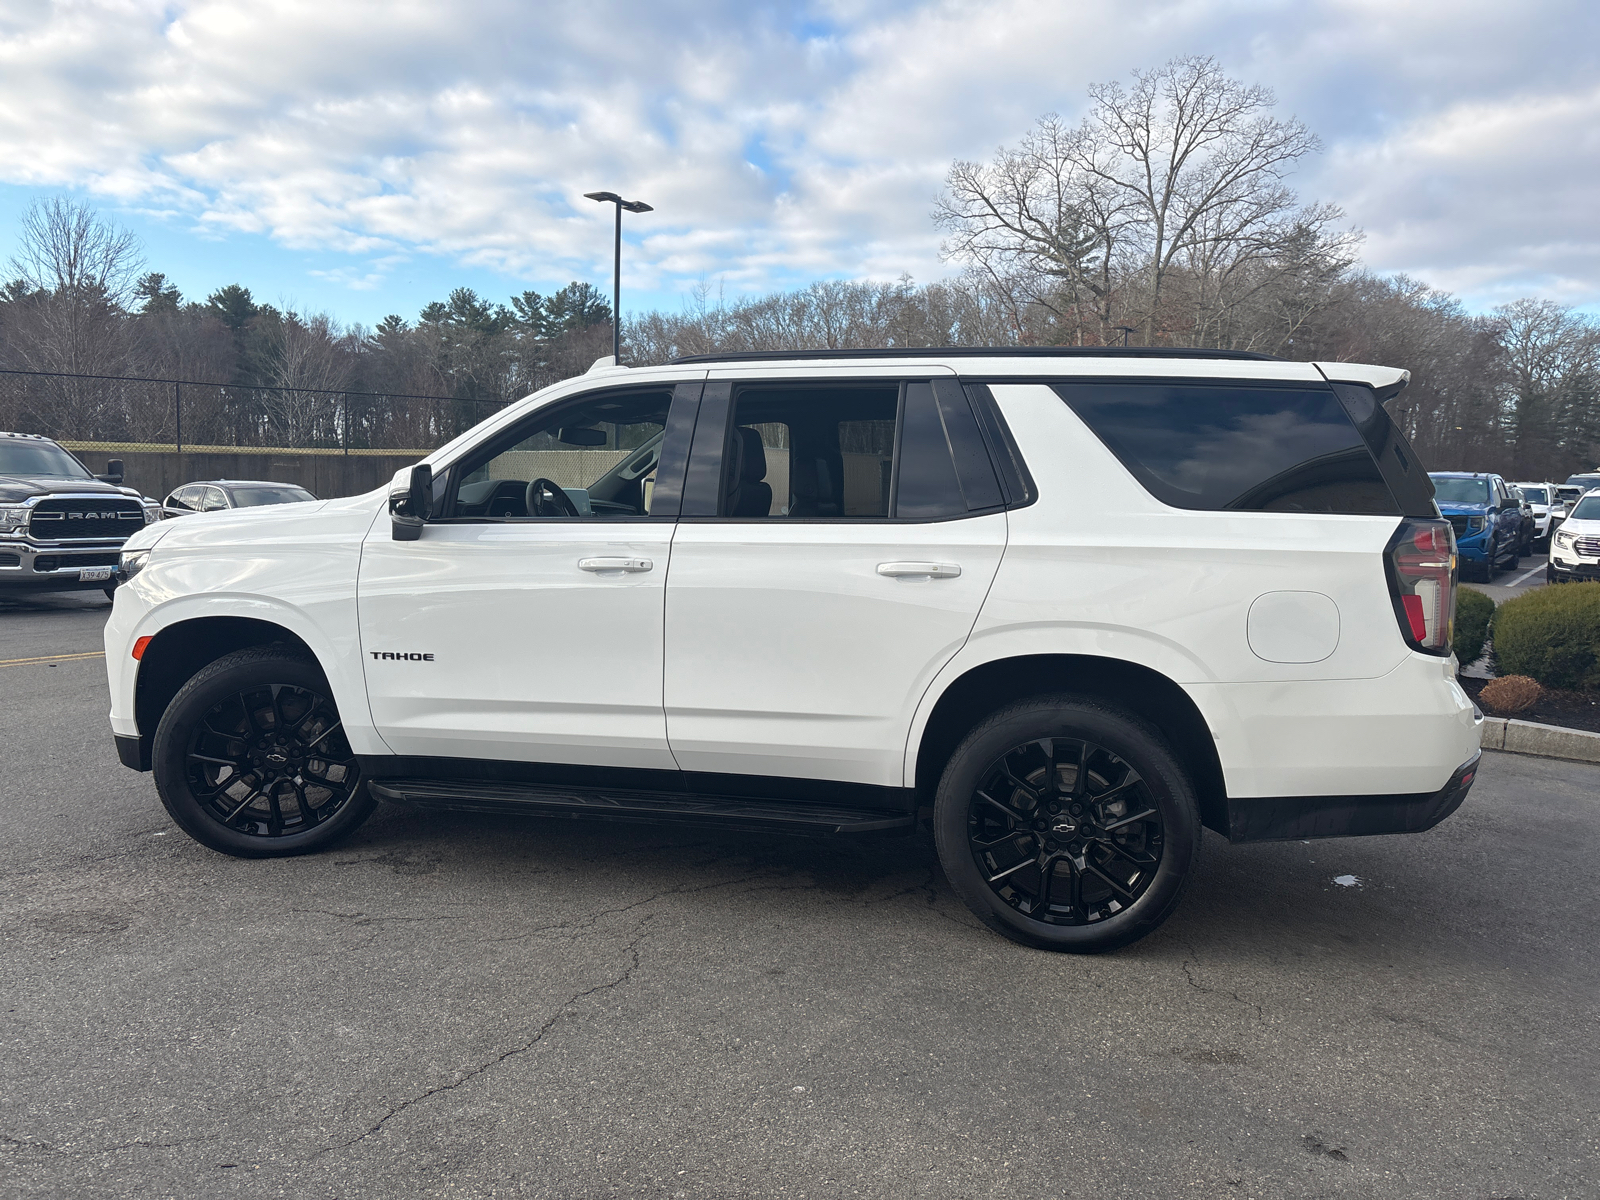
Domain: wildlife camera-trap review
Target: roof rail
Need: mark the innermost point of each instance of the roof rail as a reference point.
(980, 352)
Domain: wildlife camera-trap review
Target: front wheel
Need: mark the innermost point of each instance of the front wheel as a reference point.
(251, 759)
(1066, 824)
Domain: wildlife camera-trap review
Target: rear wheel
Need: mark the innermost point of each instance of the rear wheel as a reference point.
(251, 759)
(1066, 824)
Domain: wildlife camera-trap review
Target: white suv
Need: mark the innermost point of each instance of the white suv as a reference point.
(1549, 510)
(1070, 606)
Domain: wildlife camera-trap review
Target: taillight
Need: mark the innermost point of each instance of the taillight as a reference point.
(1421, 564)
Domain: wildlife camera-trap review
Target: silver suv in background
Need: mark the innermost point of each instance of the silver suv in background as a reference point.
(220, 495)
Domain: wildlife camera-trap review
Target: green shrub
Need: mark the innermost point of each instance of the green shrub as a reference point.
(1474, 611)
(1552, 634)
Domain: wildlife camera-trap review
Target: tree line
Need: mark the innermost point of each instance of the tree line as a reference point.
(1163, 217)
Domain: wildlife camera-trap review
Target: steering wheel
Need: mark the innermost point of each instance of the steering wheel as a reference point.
(546, 499)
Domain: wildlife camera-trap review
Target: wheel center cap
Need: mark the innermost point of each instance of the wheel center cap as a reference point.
(1064, 827)
(277, 758)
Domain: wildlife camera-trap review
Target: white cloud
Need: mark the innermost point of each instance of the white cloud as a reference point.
(776, 146)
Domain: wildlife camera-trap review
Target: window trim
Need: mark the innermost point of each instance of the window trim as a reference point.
(703, 486)
(684, 394)
(1017, 489)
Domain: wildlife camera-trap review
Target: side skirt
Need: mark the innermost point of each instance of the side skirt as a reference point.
(728, 801)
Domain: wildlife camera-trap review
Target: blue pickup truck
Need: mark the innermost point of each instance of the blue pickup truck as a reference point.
(1487, 520)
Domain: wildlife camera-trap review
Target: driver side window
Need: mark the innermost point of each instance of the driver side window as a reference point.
(591, 460)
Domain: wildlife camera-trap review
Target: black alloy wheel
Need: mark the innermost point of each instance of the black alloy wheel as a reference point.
(1064, 831)
(251, 758)
(1068, 825)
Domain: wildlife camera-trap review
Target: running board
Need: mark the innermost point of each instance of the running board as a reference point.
(776, 816)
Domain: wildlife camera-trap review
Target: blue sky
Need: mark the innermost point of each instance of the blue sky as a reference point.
(365, 159)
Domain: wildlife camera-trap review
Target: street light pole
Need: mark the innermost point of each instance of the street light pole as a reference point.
(634, 206)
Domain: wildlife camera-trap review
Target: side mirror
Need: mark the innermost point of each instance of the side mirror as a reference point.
(113, 473)
(408, 511)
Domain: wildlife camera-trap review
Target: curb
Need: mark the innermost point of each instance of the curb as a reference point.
(1543, 741)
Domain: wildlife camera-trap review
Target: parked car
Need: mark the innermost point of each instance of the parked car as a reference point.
(1575, 549)
(1487, 519)
(1549, 510)
(219, 495)
(62, 527)
(1529, 524)
(1069, 606)
(1585, 482)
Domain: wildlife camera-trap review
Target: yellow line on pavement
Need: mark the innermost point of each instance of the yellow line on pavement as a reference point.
(23, 662)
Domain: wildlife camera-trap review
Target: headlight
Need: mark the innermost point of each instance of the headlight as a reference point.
(12, 518)
(1564, 539)
(1474, 524)
(152, 513)
(130, 564)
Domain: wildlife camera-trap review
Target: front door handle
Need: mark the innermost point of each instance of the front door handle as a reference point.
(615, 564)
(919, 570)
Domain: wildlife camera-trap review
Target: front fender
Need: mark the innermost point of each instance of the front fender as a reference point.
(300, 576)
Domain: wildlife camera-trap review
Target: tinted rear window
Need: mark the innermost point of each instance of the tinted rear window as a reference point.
(1235, 446)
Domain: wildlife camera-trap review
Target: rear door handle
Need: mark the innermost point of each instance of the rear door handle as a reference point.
(615, 564)
(919, 570)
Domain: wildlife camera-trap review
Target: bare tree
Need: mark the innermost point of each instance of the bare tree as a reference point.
(65, 247)
(1176, 181)
(309, 361)
(73, 274)
(1552, 357)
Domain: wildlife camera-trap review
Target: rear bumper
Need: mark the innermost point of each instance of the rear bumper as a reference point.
(1276, 819)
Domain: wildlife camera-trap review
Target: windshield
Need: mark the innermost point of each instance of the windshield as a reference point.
(1536, 495)
(250, 497)
(39, 458)
(1588, 509)
(1461, 491)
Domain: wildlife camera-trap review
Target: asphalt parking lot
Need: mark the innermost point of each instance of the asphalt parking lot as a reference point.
(1510, 584)
(479, 1006)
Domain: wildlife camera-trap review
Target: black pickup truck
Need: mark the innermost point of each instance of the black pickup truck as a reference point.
(61, 526)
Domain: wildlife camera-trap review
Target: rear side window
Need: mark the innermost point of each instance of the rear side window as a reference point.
(1235, 446)
(909, 451)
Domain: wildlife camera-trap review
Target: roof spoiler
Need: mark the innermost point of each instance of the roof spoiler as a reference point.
(1387, 382)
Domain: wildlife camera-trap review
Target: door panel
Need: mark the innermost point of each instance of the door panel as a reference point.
(789, 653)
(525, 624)
(535, 658)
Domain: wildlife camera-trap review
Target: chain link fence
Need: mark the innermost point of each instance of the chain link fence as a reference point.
(116, 414)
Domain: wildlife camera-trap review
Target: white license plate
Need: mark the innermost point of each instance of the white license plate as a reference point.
(94, 574)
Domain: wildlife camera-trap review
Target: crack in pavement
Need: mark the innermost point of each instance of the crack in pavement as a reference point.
(361, 918)
(1194, 960)
(588, 923)
(564, 1009)
(137, 1143)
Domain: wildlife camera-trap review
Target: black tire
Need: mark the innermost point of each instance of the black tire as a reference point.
(111, 591)
(1132, 761)
(1491, 562)
(256, 734)
(1516, 557)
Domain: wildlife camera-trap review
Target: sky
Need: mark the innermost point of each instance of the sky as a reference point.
(363, 159)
